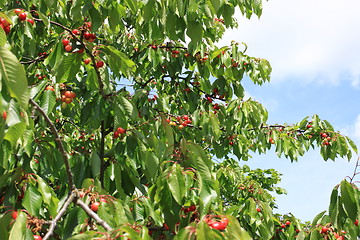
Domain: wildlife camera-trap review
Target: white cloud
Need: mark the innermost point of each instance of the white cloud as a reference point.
(312, 40)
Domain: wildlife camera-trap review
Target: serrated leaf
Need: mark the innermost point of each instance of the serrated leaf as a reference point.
(32, 200)
(176, 182)
(95, 162)
(18, 230)
(14, 76)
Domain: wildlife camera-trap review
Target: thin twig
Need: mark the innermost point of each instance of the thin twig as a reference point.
(58, 141)
(62, 211)
(92, 214)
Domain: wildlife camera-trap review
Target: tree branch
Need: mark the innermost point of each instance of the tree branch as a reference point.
(92, 214)
(62, 211)
(58, 141)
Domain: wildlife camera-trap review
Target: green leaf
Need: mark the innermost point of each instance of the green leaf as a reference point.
(176, 182)
(32, 200)
(2, 37)
(348, 199)
(95, 163)
(195, 31)
(19, 228)
(44, 189)
(14, 76)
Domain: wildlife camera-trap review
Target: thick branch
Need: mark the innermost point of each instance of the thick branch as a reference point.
(62, 211)
(58, 142)
(94, 215)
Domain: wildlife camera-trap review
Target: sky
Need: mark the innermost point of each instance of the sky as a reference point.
(314, 50)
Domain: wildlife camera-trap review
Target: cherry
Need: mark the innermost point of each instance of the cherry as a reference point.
(14, 215)
(287, 223)
(282, 225)
(37, 237)
(4, 115)
(87, 35)
(297, 230)
(22, 16)
(225, 220)
(309, 126)
(65, 42)
(116, 134)
(31, 21)
(99, 64)
(4, 22)
(18, 11)
(356, 222)
(95, 206)
(68, 100)
(76, 32)
(68, 48)
(87, 61)
(120, 130)
(68, 94)
(258, 209)
(324, 230)
(153, 46)
(218, 225)
(324, 135)
(7, 29)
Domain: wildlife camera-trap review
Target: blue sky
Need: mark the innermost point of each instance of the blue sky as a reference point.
(314, 49)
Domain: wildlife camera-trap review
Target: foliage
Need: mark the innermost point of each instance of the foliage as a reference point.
(113, 113)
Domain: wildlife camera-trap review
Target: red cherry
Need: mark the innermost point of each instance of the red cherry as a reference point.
(65, 42)
(67, 94)
(68, 48)
(282, 225)
(99, 64)
(87, 35)
(87, 61)
(76, 32)
(116, 134)
(288, 223)
(324, 229)
(4, 115)
(192, 208)
(218, 225)
(120, 130)
(225, 220)
(356, 222)
(154, 47)
(92, 36)
(18, 11)
(22, 16)
(37, 237)
(297, 230)
(80, 50)
(4, 22)
(95, 206)
(14, 215)
(72, 95)
(50, 88)
(7, 29)
(185, 117)
(258, 209)
(31, 21)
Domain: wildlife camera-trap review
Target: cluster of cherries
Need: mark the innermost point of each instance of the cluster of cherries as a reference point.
(67, 96)
(5, 25)
(23, 16)
(181, 121)
(217, 223)
(119, 131)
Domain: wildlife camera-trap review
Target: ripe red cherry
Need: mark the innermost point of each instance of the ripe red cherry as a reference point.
(116, 134)
(65, 42)
(68, 48)
(120, 130)
(18, 11)
(324, 229)
(22, 16)
(225, 220)
(99, 64)
(282, 225)
(14, 215)
(288, 223)
(37, 237)
(4, 115)
(87, 61)
(356, 222)
(192, 208)
(31, 21)
(95, 206)
(218, 225)
(72, 95)
(4, 22)
(75, 31)
(87, 35)
(7, 29)
(258, 209)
